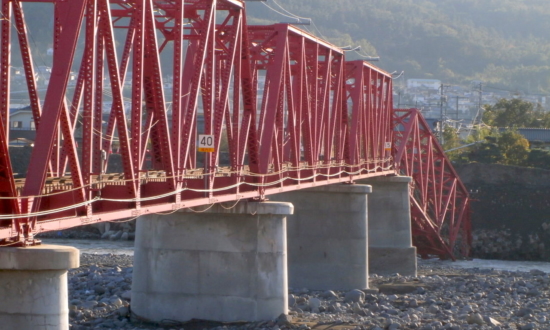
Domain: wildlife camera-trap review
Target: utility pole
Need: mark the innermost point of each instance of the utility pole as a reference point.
(480, 110)
(457, 97)
(441, 126)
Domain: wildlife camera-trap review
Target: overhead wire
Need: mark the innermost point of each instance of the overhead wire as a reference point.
(278, 12)
(4, 18)
(312, 23)
(399, 76)
(268, 184)
(42, 213)
(289, 14)
(202, 211)
(166, 213)
(364, 55)
(296, 17)
(125, 220)
(203, 174)
(233, 206)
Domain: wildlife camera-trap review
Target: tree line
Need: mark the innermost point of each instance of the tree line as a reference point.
(497, 141)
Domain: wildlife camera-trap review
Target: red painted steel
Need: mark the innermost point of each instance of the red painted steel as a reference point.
(440, 205)
(285, 111)
(274, 99)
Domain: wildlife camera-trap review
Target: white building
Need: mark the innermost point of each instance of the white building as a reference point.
(22, 119)
(424, 83)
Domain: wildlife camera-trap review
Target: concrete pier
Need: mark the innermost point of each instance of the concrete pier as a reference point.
(390, 235)
(34, 287)
(221, 265)
(328, 237)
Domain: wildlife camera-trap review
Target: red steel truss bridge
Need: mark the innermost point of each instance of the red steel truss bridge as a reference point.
(280, 108)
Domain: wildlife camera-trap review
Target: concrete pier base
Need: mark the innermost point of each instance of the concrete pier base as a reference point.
(34, 287)
(328, 237)
(390, 235)
(221, 265)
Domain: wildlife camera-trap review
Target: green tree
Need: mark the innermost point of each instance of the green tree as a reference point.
(486, 152)
(509, 148)
(451, 140)
(516, 113)
(514, 148)
(481, 133)
(510, 113)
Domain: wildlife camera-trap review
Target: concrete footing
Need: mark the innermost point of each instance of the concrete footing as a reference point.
(397, 260)
(390, 236)
(34, 287)
(328, 237)
(221, 265)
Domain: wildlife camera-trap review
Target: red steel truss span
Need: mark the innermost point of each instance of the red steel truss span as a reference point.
(248, 111)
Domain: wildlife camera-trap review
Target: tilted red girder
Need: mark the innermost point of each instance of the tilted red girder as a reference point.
(440, 204)
(285, 107)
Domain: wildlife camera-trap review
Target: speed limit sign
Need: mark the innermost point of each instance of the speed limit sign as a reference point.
(206, 143)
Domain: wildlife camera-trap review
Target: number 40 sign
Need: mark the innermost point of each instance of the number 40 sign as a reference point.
(206, 143)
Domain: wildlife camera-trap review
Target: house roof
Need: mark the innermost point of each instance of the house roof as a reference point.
(17, 110)
(21, 141)
(533, 134)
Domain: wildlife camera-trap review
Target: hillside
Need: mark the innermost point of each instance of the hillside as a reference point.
(504, 43)
(501, 42)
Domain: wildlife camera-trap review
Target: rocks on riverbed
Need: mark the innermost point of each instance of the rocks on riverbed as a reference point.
(439, 298)
(99, 292)
(123, 231)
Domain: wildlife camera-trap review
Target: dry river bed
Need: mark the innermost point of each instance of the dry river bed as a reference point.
(440, 297)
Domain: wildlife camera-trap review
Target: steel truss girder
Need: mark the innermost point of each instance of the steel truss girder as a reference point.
(370, 92)
(294, 114)
(276, 94)
(440, 204)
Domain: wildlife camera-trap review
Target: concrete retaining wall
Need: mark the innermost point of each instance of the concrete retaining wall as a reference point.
(510, 211)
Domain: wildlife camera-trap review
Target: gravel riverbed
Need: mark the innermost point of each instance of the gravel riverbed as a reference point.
(440, 297)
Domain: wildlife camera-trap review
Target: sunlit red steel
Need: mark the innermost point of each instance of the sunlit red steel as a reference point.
(439, 201)
(293, 112)
(371, 132)
(284, 106)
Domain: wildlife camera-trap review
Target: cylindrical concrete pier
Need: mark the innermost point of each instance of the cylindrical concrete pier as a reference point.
(328, 237)
(221, 265)
(34, 288)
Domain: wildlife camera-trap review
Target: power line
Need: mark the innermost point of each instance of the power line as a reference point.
(278, 12)
(288, 14)
(286, 11)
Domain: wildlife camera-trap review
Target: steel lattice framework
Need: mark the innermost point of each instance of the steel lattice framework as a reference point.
(285, 111)
(440, 205)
